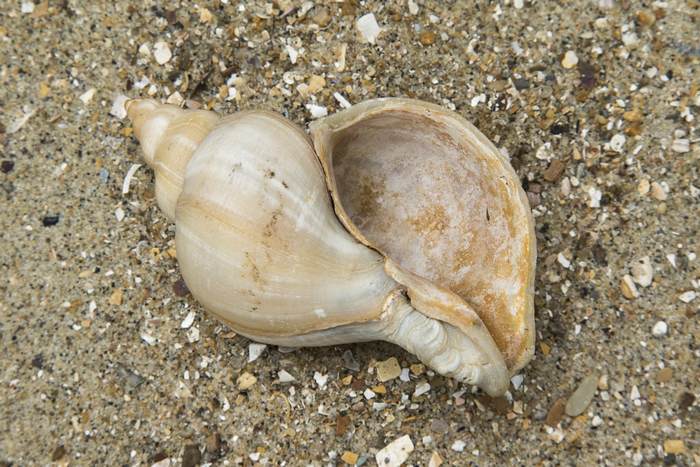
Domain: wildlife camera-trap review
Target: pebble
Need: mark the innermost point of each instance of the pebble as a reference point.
(388, 369)
(245, 381)
(368, 28)
(570, 59)
(674, 446)
(643, 187)
(395, 453)
(597, 421)
(555, 413)
(554, 171)
(660, 329)
(664, 375)
(582, 397)
(657, 191)
(191, 456)
(459, 445)
(518, 4)
(642, 272)
(435, 460)
(439, 426)
(634, 393)
(188, 321)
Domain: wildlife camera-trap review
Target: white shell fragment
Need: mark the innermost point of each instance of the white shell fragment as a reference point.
(368, 28)
(118, 109)
(570, 59)
(617, 143)
(660, 329)
(87, 96)
(285, 377)
(119, 213)
(254, 351)
(188, 321)
(688, 297)
(128, 177)
(162, 53)
(395, 453)
(642, 272)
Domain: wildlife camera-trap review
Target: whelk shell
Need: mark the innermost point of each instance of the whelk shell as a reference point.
(397, 220)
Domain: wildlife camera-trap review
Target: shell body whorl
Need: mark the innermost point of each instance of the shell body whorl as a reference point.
(400, 222)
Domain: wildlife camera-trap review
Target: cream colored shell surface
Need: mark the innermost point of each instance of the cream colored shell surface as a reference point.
(258, 240)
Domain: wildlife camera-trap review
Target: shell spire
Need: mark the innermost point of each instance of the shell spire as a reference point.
(169, 136)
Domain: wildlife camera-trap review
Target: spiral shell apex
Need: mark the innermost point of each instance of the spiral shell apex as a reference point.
(397, 220)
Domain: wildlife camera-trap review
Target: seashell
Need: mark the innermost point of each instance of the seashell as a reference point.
(396, 220)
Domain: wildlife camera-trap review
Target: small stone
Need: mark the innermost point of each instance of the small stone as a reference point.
(285, 377)
(316, 83)
(428, 38)
(597, 421)
(635, 115)
(458, 445)
(570, 59)
(191, 456)
(396, 453)
(180, 289)
(603, 383)
(657, 191)
(554, 171)
(617, 143)
(418, 369)
(660, 329)
(435, 459)
(162, 53)
(388, 370)
(519, 4)
(341, 424)
(687, 401)
(7, 166)
(350, 457)
(642, 272)
(643, 187)
(555, 413)
(412, 7)
(58, 453)
(116, 297)
(582, 397)
(87, 95)
(674, 446)
(629, 290)
(368, 28)
(681, 145)
(204, 15)
(213, 443)
(439, 426)
(664, 375)
(245, 381)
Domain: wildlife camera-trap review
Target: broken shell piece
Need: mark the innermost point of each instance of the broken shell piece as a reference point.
(642, 272)
(629, 290)
(401, 222)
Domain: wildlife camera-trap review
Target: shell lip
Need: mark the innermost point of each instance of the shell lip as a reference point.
(325, 133)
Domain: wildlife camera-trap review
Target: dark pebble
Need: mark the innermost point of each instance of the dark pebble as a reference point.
(7, 166)
(521, 84)
(559, 128)
(213, 443)
(48, 221)
(587, 74)
(191, 456)
(180, 288)
(38, 361)
(58, 453)
(687, 400)
(162, 455)
(439, 426)
(342, 424)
